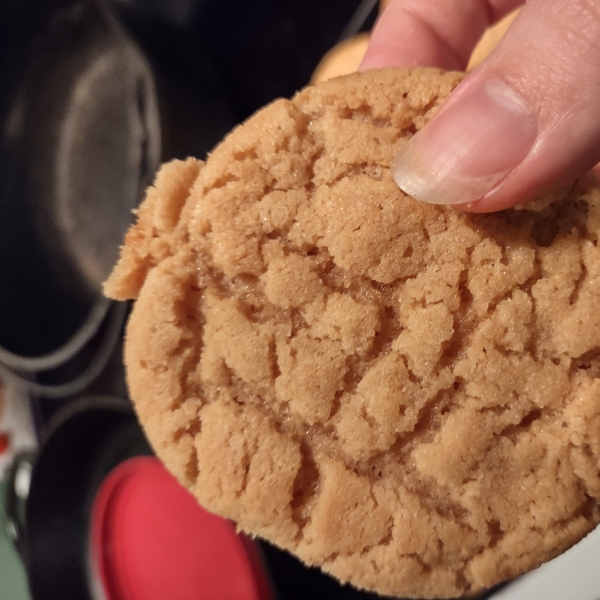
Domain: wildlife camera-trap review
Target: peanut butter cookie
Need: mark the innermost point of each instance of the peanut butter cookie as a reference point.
(405, 395)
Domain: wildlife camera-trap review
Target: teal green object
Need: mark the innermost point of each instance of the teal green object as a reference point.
(13, 582)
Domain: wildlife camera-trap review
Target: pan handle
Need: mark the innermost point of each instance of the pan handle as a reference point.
(17, 490)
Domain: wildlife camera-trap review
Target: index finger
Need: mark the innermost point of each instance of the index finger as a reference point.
(431, 33)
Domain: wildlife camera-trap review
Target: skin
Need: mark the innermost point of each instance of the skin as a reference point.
(550, 58)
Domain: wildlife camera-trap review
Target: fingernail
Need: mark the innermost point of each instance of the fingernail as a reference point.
(468, 148)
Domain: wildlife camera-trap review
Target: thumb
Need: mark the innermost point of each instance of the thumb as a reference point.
(525, 121)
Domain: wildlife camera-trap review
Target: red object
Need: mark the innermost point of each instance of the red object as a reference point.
(150, 540)
(4, 442)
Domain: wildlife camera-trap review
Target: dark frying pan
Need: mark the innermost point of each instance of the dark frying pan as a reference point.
(50, 525)
(79, 142)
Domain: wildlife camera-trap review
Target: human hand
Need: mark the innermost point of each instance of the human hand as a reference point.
(525, 121)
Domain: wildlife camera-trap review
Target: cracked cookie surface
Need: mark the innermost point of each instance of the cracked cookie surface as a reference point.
(403, 394)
